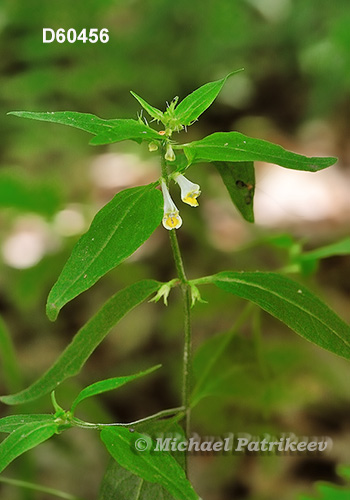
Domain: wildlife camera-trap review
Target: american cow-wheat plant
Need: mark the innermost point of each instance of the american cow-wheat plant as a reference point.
(117, 230)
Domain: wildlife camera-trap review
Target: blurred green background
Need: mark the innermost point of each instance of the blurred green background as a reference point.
(295, 92)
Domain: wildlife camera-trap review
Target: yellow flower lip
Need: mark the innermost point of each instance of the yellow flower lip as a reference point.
(171, 219)
(189, 190)
(191, 199)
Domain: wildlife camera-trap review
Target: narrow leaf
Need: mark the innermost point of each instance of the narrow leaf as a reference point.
(116, 232)
(13, 422)
(339, 248)
(234, 146)
(154, 112)
(119, 483)
(86, 340)
(123, 130)
(198, 101)
(23, 439)
(291, 303)
(155, 467)
(108, 385)
(239, 179)
(114, 130)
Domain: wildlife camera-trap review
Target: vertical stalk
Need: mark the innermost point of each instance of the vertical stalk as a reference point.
(186, 299)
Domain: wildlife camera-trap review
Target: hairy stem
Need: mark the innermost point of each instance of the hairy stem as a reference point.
(186, 298)
(156, 416)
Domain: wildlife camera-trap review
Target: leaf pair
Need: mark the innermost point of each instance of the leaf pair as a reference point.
(28, 431)
(190, 108)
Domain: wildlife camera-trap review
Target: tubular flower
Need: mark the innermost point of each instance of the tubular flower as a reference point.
(189, 190)
(169, 153)
(171, 218)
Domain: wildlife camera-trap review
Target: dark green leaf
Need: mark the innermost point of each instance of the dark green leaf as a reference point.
(169, 427)
(116, 232)
(154, 112)
(106, 130)
(239, 179)
(122, 484)
(124, 130)
(156, 467)
(12, 422)
(291, 303)
(119, 483)
(198, 101)
(108, 385)
(23, 439)
(234, 146)
(86, 340)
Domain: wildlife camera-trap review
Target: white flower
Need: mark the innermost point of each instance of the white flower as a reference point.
(171, 218)
(189, 190)
(169, 153)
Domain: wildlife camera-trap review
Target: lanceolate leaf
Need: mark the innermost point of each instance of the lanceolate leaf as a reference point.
(13, 422)
(239, 179)
(291, 303)
(23, 439)
(119, 483)
(115, 233)
(154, 112)
(123, 130)
(108, 385)
(158, 467)
(122, 484)
(86, 340)
(234, 146)
(198, 101)
(119, 130)
(339, 248)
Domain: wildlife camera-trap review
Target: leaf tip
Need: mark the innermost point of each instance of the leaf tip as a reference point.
(52, 311)
(7, 400)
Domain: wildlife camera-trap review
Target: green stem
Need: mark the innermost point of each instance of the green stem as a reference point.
(164, 413)
(186, 298)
